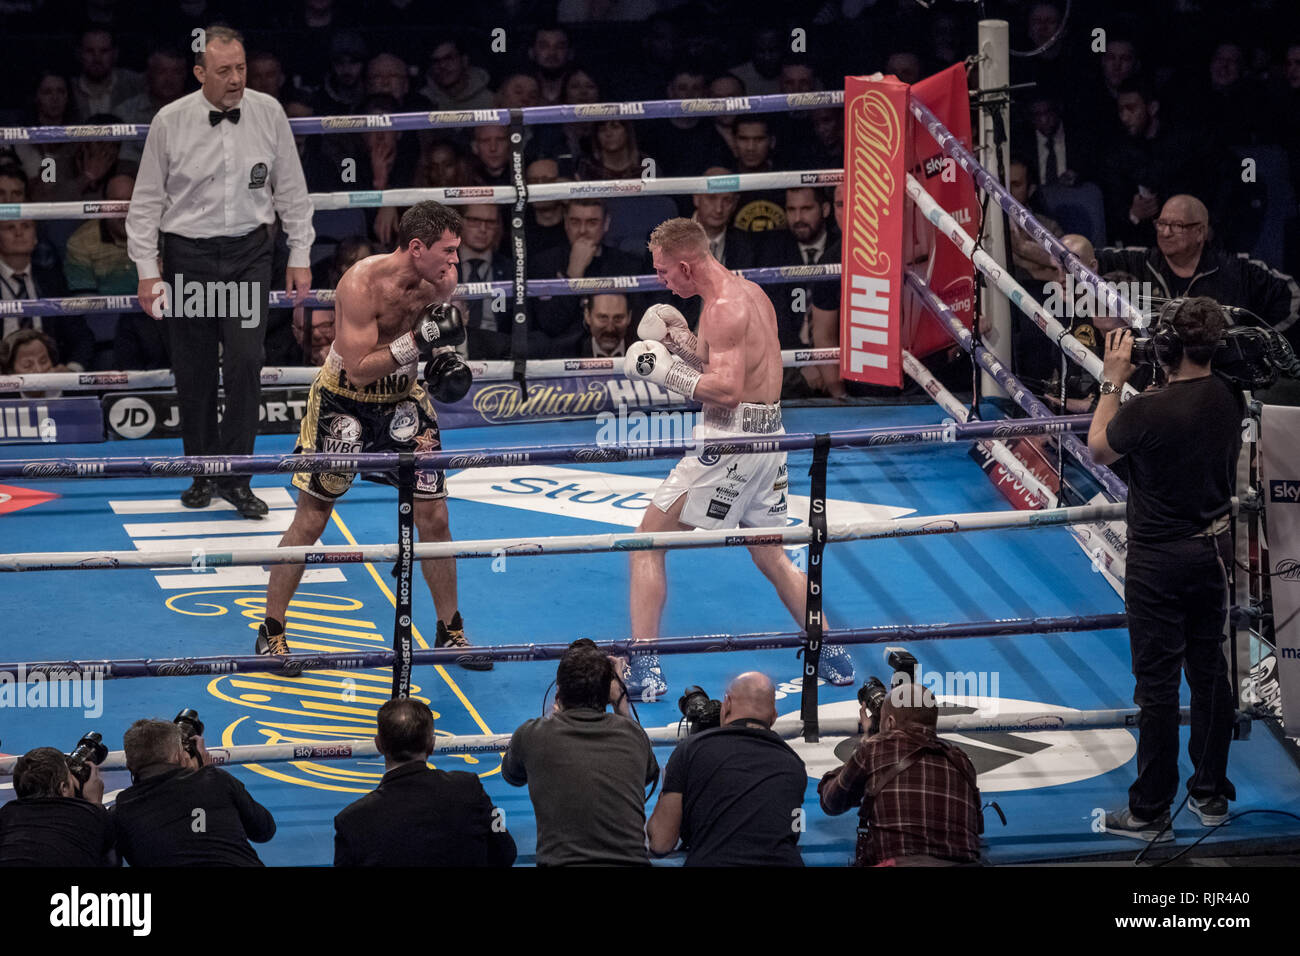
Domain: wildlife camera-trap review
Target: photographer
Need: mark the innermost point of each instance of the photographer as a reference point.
(733, 793)
(418, 815)
(1181, 443)
(586, 769)
(180, 810)
(56, 820)
(919, 804)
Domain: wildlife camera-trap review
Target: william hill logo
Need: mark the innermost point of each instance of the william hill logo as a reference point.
(319, 712)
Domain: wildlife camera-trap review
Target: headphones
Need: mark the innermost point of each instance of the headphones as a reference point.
(1165, 340)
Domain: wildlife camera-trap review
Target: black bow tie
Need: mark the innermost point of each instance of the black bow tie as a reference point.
(216, 116)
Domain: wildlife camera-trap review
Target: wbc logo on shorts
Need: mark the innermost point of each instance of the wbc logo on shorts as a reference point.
(344, 436)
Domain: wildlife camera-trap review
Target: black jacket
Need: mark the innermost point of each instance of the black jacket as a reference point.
(55, 831)
(560, 317)
(1228, 279)
(779, 247)
(157, 819)
(70, 332)
(418, 816)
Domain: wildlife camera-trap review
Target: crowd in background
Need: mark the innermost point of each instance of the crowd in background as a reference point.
(1127, 112)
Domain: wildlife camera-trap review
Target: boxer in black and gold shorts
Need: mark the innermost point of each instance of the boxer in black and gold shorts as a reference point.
(391, 315)
(392, 414)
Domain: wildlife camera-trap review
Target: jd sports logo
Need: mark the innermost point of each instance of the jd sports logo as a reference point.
(1004, 761)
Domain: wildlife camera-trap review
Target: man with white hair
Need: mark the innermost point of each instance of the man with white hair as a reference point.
(734, 793)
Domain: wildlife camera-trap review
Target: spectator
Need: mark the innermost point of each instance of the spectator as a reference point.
(312, 25)
(734, 794)
(101, 87)
(318, 155)
(96, 262)
(586, 769)
(1059, 155)
(1097, 103)
(344, 87)
(13, 183)
(93, 163)
(607, 326)
(566, 143)
(21, 278)
(266, 74)
(1029, 259)
(551, 54)
(164, 80)
(30, 352)
(51, 105)
(685, 145)
(388, 74)
(917, 798)
(825, 148)
(807, 240)
(545, 219)
(388, 161)
(443, 164)
(487, 330)
(763, 209)
(583, 255)
(734, 248)
(155, 816)
(794, 129)
(761, 74)
(419, 815)
(1227, 104)
(453, 83)
(905, 65)
(218, 230)
(491, 148)
(518, 91)
(1155, 161)
(55, 820)
(614, 153)
(1184, 264)
(726, 86)
(326, 276)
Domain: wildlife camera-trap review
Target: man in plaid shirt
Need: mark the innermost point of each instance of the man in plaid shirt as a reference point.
(920, 804)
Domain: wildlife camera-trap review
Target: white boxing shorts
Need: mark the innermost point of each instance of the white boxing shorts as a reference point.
(730, 491)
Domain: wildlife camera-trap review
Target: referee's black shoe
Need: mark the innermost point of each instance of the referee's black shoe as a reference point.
(198, 494)
(246, 503)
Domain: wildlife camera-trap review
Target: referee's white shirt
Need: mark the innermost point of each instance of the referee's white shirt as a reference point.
(202, 181)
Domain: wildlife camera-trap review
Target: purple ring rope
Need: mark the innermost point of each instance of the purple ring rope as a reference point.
(201, 465)
(699, 644)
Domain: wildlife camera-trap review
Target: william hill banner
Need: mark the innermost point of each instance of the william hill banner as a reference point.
(875, 121)
(884, 235)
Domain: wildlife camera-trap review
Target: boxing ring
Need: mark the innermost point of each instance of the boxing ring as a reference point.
(1020, 627)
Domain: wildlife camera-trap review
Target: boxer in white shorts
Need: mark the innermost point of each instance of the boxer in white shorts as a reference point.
(734, 369)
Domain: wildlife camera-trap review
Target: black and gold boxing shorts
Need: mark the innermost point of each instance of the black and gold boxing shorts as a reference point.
(337, 423)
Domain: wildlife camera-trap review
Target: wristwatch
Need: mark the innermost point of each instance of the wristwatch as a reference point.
(1108, 388)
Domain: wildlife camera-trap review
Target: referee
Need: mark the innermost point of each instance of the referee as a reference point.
(218, 166)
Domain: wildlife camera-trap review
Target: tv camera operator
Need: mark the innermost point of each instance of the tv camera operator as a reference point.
(1181, 443)
(180, 810)
(733, 789)
(58, 818)
(917, 797)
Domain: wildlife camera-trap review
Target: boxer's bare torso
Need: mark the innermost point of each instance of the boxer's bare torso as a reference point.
(738, 328)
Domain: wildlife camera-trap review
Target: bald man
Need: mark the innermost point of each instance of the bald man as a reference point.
(1184, 264)
(734, 794)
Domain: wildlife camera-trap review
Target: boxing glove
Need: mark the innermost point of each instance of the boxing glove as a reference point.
(447, 377)
(663, 323)
(652, 362)
(438, 325)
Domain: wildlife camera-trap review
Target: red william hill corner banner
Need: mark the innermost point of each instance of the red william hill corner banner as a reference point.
(946, 270)
(875, 120)
(883, 234)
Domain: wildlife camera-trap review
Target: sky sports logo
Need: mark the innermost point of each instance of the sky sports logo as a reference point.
(1284, 492)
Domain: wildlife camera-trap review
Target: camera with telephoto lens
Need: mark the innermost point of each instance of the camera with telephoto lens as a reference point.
(1250, 356)
(90, 749)
(871, 695)
(699, 710)
(188, 721)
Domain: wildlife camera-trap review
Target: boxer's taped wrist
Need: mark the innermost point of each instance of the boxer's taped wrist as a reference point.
(681, 378)
(404, 350)
(686, 347)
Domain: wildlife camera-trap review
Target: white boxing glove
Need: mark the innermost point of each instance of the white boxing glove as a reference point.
(663, 323)
(652, 362)
(657, 320)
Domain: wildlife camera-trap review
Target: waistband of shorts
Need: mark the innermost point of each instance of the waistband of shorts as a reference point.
(333, 378)
(748, 417)
(1216, 527)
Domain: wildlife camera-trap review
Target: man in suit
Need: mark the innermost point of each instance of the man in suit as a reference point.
(583, 255)
(808, 241)
(487, 331)
(22, 278)
(419, 816)
(606, 322)
(734, 248)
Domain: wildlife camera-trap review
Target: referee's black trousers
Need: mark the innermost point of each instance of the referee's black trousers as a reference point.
(1176, 599)
(194, 339)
